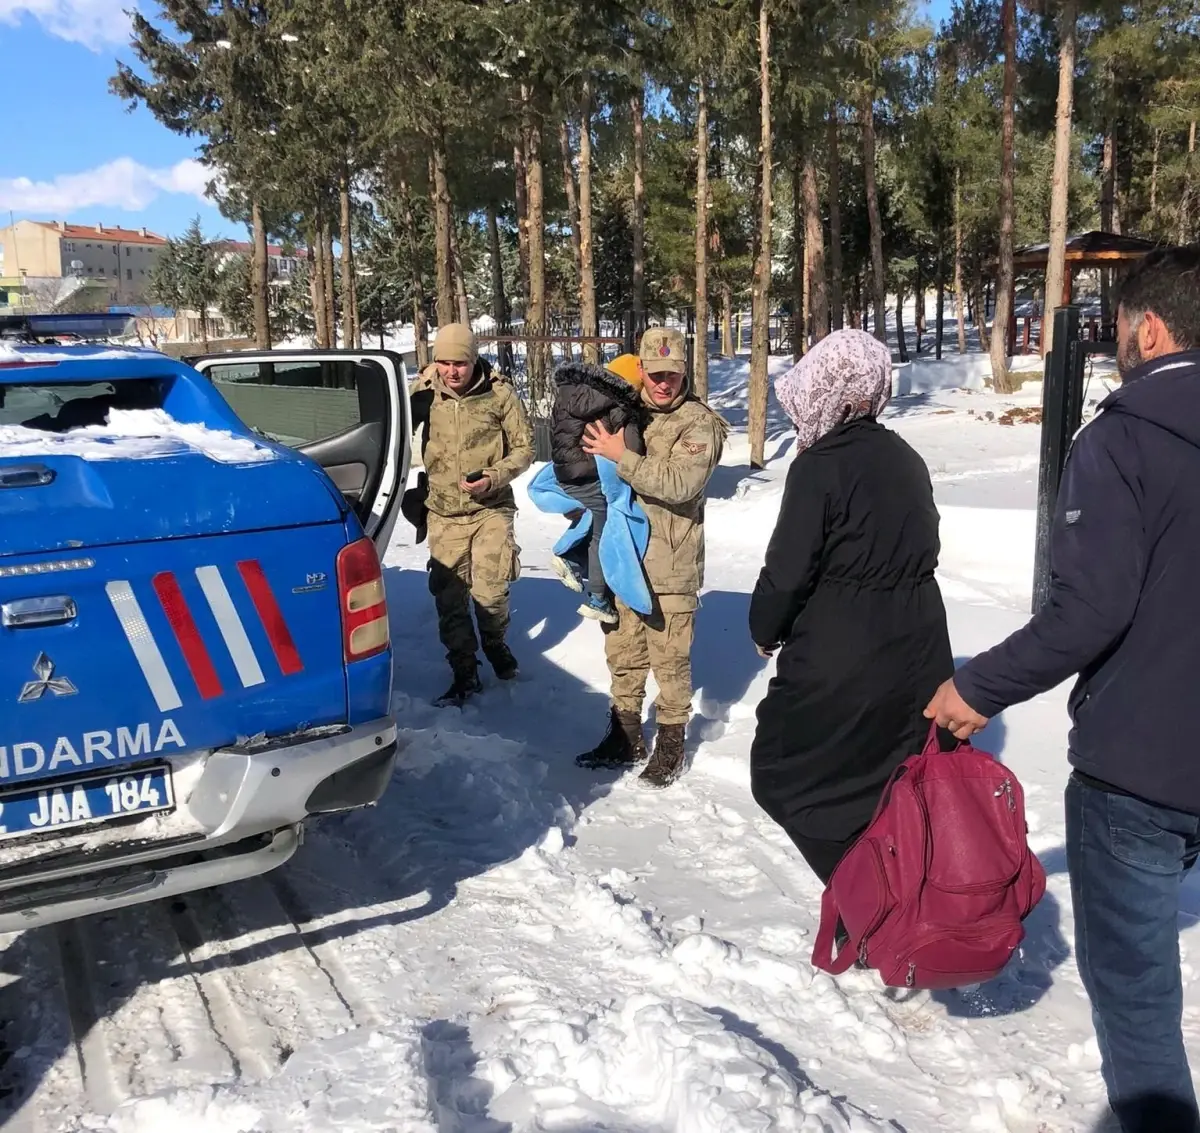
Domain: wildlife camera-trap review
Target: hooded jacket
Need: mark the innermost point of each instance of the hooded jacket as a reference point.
(585, 394)
(1124, 602)
(484, 429)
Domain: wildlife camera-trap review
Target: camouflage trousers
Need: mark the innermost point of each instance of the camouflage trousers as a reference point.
(472, 558)
(660, 643)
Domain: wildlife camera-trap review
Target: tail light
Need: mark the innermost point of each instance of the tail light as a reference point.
(364, 604)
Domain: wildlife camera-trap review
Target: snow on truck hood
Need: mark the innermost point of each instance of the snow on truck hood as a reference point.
(134, 434)
(32, 355)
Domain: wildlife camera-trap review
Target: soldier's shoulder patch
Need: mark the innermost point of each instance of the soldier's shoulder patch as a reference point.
(693, 447)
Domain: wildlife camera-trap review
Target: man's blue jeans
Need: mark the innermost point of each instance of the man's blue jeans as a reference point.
(1126, 859)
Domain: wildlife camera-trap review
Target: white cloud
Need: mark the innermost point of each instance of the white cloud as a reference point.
(93, 23)
(121, 184)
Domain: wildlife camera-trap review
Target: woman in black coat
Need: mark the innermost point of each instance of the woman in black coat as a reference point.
(848, 591)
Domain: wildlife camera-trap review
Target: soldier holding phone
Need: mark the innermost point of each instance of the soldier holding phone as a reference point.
(477, 441)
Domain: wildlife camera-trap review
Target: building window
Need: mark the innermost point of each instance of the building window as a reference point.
(129, 273)
(101, 270)
(127, 253)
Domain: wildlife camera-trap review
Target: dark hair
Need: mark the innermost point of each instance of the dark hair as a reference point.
(1167, 282)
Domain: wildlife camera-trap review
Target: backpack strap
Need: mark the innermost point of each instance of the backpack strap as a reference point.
(823, 956)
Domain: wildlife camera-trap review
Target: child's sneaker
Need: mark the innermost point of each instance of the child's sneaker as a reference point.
(599, 609)
(568, 574)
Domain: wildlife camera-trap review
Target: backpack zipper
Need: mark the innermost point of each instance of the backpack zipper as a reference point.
(1006, 790)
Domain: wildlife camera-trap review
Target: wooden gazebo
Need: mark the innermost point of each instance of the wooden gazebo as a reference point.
(1086, 250)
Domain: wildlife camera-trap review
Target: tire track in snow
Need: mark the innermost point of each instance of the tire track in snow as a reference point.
(37, 1053)
(273, 985)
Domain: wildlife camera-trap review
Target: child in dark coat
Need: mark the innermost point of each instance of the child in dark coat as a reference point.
(612, 395)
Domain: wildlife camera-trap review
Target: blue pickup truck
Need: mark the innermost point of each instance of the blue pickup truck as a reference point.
(194, 640)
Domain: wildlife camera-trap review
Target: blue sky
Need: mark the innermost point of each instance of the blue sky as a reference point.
(68, 148)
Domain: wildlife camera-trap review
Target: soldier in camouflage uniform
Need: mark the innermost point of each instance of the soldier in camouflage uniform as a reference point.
(683, 443)
(477, 441)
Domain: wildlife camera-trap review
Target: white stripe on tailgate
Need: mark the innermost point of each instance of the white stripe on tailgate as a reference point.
(230, 626)
(145, 648)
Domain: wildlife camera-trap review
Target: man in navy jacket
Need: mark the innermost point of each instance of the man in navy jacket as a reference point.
(1124, 614)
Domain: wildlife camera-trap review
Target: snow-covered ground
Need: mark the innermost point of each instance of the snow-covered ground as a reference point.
(508, 943)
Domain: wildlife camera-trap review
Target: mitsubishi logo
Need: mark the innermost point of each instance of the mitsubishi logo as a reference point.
(46, 681)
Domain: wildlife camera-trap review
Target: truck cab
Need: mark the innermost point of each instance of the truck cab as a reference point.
(193, 618)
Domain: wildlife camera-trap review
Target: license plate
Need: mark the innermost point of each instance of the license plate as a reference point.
(78, 802)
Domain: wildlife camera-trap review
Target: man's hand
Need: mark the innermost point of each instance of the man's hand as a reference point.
(598, 441)
(480, 487)
(953, 713)
(766, 651)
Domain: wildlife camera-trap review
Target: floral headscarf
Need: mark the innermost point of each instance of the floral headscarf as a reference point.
(846, 376)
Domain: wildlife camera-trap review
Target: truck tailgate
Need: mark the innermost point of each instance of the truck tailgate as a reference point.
(122, 653)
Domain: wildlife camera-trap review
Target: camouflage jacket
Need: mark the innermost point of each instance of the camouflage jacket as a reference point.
(683, 446)
(484, 430)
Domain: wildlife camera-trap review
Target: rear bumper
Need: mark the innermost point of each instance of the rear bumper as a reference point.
(246, 810)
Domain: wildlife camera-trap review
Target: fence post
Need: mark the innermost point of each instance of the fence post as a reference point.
(1062, 411)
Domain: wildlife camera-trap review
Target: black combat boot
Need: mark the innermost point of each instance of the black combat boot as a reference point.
(666, 765)
(623, 744)
(465, 685)
(501, 658)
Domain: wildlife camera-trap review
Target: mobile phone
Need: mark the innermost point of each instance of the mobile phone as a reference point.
(473, 477)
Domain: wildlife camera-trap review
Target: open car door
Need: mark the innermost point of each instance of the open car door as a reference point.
(346, 409)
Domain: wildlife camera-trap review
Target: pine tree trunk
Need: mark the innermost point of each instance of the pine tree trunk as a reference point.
(919, 302)
(420, 328)
(1110, 211)
(1185, 199)
(637, 111)
(805, 298)
(589, 323)
(879, 280)
(316, 285)
(568, 168)
(760, 330)
(262, 316)
(347, 238)
(900, 323)
(979, 302)
(521, 192)
(799, 329)
(1056, 265)
(330, 287)
(940, 325)
(535, 316)
(960, 305)
(441, 228)
(499, 305)
(1154, 179)
(837, 288)
(1001, 379)
(814, 244)
(726, 321)
(700, 353)
(460, 278)
(1108, 167)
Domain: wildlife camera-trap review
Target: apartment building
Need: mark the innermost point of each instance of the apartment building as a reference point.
(282, 264)
(107, 259)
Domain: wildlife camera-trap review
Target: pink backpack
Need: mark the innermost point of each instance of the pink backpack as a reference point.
(934, 892)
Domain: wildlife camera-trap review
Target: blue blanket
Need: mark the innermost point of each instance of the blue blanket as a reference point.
(623, 541)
